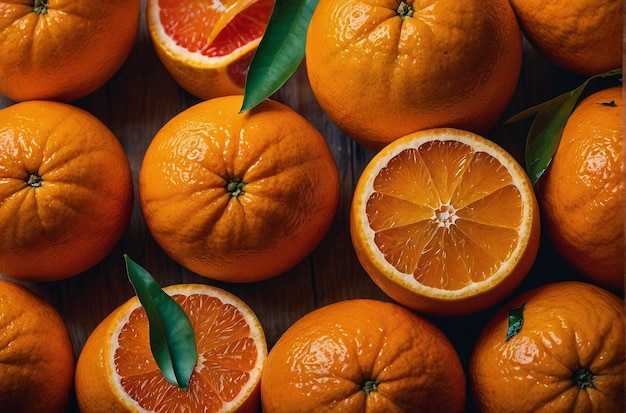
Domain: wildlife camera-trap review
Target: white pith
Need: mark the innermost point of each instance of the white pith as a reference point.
(445, 215)
(187, 290)
(170, 47)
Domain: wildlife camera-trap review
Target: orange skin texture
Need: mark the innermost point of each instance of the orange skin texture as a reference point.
(325, 359)
(582, 192)
(583, 36)
(567, 326)
(379, 76)
(78, 212)
(95, 373)
(67, 52)
(36, 353)
(266, 226)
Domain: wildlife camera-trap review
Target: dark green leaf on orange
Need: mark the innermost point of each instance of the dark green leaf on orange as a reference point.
(611, 104)
(546, 129)
(516, 321)
(280, 51)
(172, 338)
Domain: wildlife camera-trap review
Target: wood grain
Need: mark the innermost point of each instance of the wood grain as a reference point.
(142, 96)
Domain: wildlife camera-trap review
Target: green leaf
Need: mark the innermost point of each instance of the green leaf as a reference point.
(516, 321)
(172, 339)
(280, 51)
(611, 104)
(527, 113)
(546, 129)
(545, 132)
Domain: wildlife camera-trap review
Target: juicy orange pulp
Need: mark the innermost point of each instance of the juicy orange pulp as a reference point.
(445, 221)
(226, 355)
(460, 228)
(233, 26)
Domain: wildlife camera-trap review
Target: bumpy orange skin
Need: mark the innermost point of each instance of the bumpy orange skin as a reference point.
(379, 75)
(36, 353)
(570, 329)
(66, 191)
(584, 36)
(238, 197)
(581, 194)
(66, 52)
(362, 355)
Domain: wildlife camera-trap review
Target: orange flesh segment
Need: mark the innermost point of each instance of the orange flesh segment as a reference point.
(226, 355)
(190, 23)
(445, 213)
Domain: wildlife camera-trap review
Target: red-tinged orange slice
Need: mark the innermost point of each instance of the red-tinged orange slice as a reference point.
(117, 372)
(207, 46)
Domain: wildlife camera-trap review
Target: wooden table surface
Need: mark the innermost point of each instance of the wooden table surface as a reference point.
(142, 96)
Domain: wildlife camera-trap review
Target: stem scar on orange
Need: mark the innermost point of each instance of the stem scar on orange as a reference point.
(63, 50)
(238, 197)
(445, 221)
(383, 69)
(567, 357)
(66, 191)
(362, 355)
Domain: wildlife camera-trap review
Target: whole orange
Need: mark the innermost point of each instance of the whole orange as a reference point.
(381, 70)
(568, 355)
(362, 355)
(63, 50)
(583, 36)
(36, 353)
(581, 194)
(207, 46)
(238, 197)
(116, 371)
(66, 190)
(445, 221)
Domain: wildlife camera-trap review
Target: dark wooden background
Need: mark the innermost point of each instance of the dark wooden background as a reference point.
(142, 96)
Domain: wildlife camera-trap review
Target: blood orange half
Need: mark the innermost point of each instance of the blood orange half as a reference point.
(117, 372)
(207, 46)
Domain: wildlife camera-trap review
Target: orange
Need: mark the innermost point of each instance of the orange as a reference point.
(384, 69)
(583, 36)
(581, 194)
(116, 371)
(362, 355)
(66, 191)
(567, 357)
(36, 353)
(63, 49)
(207, 46)
(445, 221)
(238, 197)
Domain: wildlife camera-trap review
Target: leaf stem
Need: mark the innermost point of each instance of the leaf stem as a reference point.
(40, 7)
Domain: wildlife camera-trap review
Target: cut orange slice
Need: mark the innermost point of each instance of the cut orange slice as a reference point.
(207, 46)
(117, 372)
(445, 221)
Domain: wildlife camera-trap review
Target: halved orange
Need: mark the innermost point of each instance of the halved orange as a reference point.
(117, 372)
(207, 46)
(445, 221)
